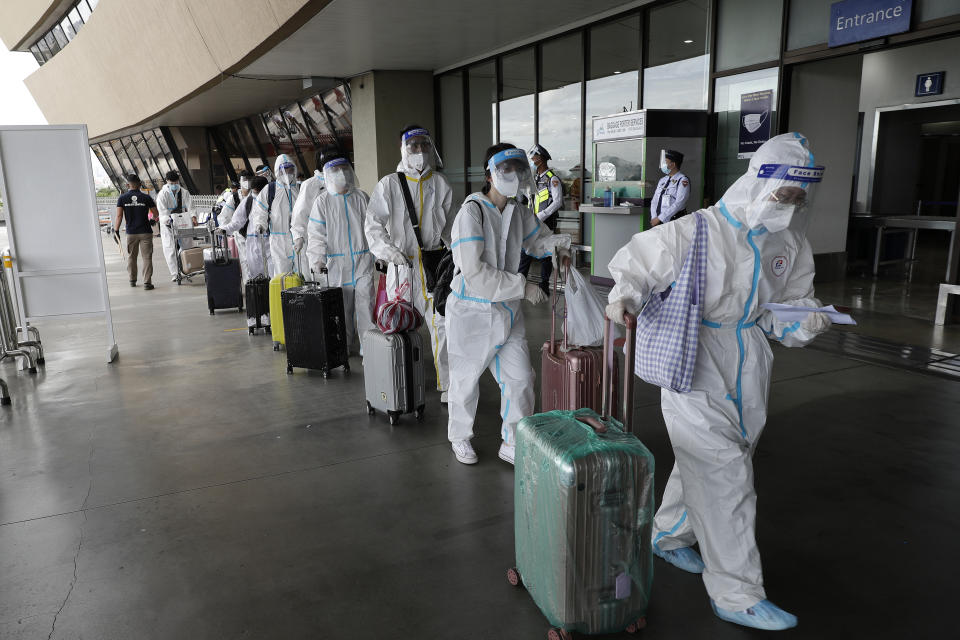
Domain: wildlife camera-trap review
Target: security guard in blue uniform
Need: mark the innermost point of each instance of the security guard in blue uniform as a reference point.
(670, 199)
(546, 205)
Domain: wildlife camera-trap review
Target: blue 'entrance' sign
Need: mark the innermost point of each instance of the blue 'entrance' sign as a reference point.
(858, 20)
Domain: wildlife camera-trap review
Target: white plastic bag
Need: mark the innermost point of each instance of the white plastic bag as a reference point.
(585, 312)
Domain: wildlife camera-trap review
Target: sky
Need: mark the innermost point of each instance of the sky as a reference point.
(17, 105)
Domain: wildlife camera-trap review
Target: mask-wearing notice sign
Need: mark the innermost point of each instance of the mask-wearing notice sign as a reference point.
(755, 113)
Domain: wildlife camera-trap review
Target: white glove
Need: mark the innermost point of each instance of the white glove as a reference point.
(298, 245)
(320, 266)
(533, 294)
(559, 253)
(816, 322)
(615, 311)
(397, 257)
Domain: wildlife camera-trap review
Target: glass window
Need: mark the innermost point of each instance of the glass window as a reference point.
(518, 84)
(933, 9)
(727, 168)
(613, 83)
(559, 106)
(108, 166)
(35, 50)
(84, 10)
(67, 27)
(59, 35)
(153, 171)
(52, 44)
(451, 135)
(317, 120)
(74, 17)
(748, 32)
(93, 4)
(153, 144)
(808, 23)
(297, 128)
(677, 56)
(482, 80)
(125, 165)
(249, 144)
(139, 168)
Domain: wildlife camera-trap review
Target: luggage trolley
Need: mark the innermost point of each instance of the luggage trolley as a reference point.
(191, 237)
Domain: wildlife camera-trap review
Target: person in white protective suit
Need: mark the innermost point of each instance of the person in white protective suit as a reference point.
(231, 200)
(337, 244)
(273, 212)
(392, 236)
(310, 190)
(757, 253)
(485, 328)
(255, 248)
(172, 198)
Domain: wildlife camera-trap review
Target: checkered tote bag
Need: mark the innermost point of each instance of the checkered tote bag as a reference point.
(669, 324)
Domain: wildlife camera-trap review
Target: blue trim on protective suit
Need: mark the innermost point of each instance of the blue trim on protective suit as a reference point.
(463, 295)
(470, 239)
(506, 408)
(504, 305)
(318, 221)
(535, 229)
(353, 262)
(726, 214)
(790, 329)
(673, 530)
(741, 325)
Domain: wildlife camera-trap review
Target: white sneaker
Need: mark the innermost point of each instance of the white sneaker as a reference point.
(506, 452)
(173, 278)
(443, 397)
(464, 452)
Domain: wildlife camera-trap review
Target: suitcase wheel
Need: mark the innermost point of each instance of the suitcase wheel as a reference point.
(212, 313)
(513, 576)
(394, 417)
(240, 309)
(370, 409)
(251, 330)
(557, 633)
(633, 627)
(290, 370)
(346, 368)
(325, 373)
(419, 413)
(276, 346)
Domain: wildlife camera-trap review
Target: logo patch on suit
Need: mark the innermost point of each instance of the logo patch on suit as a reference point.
(779, 265)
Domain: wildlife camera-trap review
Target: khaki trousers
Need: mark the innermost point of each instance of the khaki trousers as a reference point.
(136, 244)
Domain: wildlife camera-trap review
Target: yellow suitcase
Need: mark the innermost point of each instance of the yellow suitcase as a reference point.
(278, 284)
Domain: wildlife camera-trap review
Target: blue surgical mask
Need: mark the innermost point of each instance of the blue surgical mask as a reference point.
(174, 187)
(665, 169)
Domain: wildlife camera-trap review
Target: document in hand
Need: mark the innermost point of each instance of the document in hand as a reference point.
(790, 313)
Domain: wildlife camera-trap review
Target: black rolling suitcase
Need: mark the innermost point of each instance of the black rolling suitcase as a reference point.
(223, 277)
(314, 325)
(257, 294)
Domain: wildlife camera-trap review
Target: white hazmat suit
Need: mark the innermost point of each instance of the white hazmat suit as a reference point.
(714, 429)
(166, 205)
(485, 328)
(389, 230)
(336, 241)
(254, 248)
(310, 190)
(226, 217)
(276, 217)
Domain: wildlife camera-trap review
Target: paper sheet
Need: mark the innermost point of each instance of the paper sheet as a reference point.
(789, 313)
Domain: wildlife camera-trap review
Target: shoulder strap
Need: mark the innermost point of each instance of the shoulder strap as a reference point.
(271, 194)
(236, 199)
(411, 210)
(180, 200)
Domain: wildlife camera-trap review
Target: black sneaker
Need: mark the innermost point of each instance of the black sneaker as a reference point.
(133, 283)
(148, 287)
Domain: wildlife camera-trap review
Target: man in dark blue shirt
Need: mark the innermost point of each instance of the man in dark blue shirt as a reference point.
(138, 209)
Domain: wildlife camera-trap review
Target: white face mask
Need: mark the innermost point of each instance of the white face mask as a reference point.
(338, 182)
(507, 184)
(417, 161)
(772, 215)
(245, 184)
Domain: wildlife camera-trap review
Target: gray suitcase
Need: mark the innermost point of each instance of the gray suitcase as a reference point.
(393, 371)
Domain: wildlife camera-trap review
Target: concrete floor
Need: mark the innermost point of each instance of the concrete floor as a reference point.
(194, 490)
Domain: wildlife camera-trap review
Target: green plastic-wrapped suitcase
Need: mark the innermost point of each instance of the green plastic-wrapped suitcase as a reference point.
(584, 507)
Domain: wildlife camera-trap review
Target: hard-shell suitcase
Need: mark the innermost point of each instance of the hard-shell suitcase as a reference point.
(222, 274)
(393, 373)
(584, 506)
(316, 330)
(257, 295)
(191, 260)
(279, 284)
(570, 377)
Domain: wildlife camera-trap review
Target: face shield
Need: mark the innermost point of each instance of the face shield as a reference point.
(510, 173)
(245, 184)
(418, 151)
(266, 174)
(785, 197)
(338, 176)
(287, 173)
(664, 168)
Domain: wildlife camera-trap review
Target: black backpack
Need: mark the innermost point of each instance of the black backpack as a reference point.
(444, 274)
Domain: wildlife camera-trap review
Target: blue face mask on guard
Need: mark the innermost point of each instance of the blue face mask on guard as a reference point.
(174, 187)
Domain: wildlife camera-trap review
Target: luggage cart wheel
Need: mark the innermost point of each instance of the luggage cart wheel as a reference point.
(394, 417)
(370, 409)
(276, 346)
(513, 576)
(633, 627)
(419, 413)
(290, 369)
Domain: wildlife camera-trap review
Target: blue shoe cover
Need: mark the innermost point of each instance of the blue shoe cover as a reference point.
(684, 558)
(763, 615)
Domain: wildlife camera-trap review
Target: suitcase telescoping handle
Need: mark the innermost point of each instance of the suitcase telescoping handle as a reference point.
(609, 379)
(554, 295)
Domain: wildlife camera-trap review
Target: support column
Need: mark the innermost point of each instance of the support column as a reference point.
(383, 103)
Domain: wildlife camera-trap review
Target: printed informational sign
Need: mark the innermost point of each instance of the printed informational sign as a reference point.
(632, 124)
(755, 109)
(929, 84)
(858, 20)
